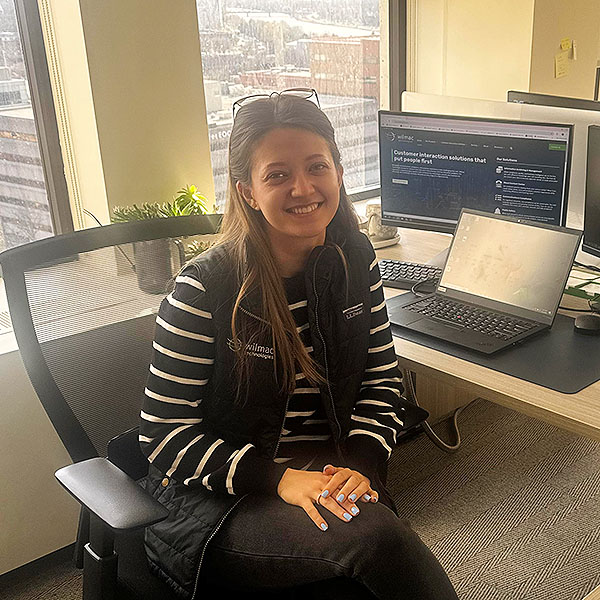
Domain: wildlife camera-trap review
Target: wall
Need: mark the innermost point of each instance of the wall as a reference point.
(133, 99)
(36, 515)
(471, 48)
(134, 125)
(67, 62)
(555, 20)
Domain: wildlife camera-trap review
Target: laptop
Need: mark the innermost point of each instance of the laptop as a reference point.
(502, 283)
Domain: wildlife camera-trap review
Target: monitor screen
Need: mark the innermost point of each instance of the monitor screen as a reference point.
(591, 212)
(549, 100)
(432, 166)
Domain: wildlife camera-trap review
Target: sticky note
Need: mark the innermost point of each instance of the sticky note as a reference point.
(561, 64)
(565, 44)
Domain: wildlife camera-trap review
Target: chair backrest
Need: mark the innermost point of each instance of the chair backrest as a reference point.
(83, 307)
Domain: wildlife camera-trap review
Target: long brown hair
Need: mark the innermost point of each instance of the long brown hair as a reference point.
(244, 233)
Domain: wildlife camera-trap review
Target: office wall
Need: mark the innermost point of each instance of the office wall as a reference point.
(36, 515)
(132, 99)
(130, 82)
(471, 48)
(68, 68)
(555, 20)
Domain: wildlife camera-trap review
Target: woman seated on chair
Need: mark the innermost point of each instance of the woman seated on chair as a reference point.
(274, 395)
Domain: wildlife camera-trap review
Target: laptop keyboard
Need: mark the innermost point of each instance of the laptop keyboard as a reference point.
(471, 317)
(403, 275)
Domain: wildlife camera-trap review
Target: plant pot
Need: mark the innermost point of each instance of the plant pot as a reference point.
(156, 262)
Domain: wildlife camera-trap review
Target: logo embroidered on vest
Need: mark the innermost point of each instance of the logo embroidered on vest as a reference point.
(253, 349)
(354, 311)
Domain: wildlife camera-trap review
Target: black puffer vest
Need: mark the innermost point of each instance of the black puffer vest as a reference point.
(339, 319)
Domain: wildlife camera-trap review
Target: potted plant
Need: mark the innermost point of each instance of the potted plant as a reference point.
(154, 258)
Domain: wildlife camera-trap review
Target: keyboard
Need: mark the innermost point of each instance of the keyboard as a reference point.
(496, 325)
(403, 275)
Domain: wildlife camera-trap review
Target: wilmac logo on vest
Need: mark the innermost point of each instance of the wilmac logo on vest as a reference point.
(253, 349)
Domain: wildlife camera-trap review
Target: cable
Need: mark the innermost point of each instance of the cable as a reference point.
(590, 267)
(431, 434)
(413, 289)
(87, 212)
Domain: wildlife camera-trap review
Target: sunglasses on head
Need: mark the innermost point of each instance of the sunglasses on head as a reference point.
(304, 93)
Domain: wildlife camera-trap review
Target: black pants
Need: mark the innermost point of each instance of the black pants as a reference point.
(267, 544)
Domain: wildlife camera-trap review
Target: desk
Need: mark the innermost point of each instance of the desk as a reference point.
(447, 382)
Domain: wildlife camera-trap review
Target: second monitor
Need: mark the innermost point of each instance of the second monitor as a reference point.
(432, 166)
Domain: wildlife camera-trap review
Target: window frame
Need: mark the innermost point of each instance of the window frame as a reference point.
(42, 102)
(397, 36)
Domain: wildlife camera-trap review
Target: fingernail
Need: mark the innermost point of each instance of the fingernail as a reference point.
(367, 497)
(325, 493)
(347, 516)
(340, 498)
(354, 510)
(353, 497)
(324, 526)
(374, 498)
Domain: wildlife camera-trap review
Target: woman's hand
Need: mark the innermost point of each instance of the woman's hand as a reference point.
(348, 485)
(304, 489)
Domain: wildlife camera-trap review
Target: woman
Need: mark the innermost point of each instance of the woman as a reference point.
(274, 396)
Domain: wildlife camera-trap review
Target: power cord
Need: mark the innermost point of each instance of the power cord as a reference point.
(413, 289)
(590, 267)
(408, 377)
(87, 212)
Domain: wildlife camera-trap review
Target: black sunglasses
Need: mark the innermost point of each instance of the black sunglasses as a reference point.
(304, 93)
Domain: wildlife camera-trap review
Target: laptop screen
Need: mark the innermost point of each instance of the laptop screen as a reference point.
(519, 264)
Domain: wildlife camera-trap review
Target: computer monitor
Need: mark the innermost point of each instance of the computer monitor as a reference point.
(549, 100)
(432, 166)
(591, 212)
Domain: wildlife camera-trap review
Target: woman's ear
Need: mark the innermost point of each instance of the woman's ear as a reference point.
(245, 191)
(340, 173)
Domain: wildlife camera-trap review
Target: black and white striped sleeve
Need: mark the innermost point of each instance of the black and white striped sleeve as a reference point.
(376, 420)
(172, 433)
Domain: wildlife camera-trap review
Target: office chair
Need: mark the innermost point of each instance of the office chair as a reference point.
(83, 309)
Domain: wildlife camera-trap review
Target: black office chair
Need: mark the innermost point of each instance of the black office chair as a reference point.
(83, 310)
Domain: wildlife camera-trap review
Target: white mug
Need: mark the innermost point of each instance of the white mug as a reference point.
(376, 231)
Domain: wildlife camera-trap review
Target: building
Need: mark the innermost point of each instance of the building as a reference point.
(24, 211)
(276, 79)
(345, 66)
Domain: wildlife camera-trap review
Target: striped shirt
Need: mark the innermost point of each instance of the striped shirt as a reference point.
(172, 435)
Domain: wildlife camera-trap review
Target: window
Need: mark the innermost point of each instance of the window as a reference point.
(253, 46)
(24, 209)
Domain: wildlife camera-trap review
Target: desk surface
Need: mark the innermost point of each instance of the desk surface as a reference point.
(579, 412)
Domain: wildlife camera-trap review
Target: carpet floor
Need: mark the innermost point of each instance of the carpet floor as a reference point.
(513, 515)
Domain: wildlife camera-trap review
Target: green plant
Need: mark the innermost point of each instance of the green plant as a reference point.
(188, 201)
(196, 247)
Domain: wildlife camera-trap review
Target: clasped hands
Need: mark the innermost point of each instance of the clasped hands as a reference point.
(337, 489)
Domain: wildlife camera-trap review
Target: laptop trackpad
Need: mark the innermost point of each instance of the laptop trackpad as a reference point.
(438, 329)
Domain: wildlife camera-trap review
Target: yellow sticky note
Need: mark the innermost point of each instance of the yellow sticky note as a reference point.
(561, 64)
(565, 44)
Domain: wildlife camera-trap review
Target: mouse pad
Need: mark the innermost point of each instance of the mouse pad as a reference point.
(559, 358)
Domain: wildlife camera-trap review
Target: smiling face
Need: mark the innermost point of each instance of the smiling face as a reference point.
(295, 184)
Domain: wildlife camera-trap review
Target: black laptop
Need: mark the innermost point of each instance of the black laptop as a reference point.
(502, 282)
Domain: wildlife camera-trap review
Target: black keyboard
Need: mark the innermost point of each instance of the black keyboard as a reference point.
(489, 323)
(403, 275)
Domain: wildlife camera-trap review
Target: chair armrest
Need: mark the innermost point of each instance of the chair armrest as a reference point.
(110, 494)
